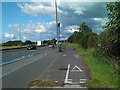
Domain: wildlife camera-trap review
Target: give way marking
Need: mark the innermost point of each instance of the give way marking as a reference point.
(76, 69)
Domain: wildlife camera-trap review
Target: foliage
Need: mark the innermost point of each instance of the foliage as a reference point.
(28, 42)
(47, 42)
(75, 37)
(53, 41)
(102, 74)
(17, 43)
(45, 83)
(12, 43)
(83, 41)
(84, 29)
(92, 41)
(113, 27)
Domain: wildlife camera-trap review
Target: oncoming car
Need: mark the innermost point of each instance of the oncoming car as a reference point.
(30, 47)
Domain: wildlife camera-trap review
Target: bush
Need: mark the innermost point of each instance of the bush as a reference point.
(92, 41)
(106, 46)
(83, 41)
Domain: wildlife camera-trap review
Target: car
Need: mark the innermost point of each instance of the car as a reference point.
(51, 45)
(30, 47)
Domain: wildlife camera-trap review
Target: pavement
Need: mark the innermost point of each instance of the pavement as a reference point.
(67, 68)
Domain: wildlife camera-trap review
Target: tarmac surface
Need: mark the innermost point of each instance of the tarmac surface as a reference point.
(65, 67)
(68, 68)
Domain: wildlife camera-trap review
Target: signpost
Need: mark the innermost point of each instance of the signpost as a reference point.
(59, 46)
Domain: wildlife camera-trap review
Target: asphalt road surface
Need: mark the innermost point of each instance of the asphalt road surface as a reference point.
(65, 67)
(12, 54)
(20, 73)
(68, 68)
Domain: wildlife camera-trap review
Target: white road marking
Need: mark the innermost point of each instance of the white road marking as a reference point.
(77, 56)
(67, 73)
(83, 80)
(64, 55)
(45, 54)
(78, 69)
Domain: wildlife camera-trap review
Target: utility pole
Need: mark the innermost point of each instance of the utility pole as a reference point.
(56, 21)
(58, 34)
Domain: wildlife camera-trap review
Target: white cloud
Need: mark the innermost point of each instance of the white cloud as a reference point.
(8, 35)
(72, 28)
(101, 20)
(39, 9)
(24, 38)
(35, 31)
(70, 15)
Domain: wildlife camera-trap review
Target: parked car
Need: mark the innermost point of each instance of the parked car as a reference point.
(30, 47)
(51, 45)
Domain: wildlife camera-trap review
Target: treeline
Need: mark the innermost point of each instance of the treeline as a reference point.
(53, 41)
(106, 45)
(18, 42)
(27, 42)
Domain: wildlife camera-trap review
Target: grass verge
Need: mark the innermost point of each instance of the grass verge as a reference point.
(102, 74)
(10, 47)
(45, 83)
(62, 47)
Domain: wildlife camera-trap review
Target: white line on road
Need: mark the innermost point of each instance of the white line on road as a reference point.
(76, 67)
(83, 80)
(67, 73)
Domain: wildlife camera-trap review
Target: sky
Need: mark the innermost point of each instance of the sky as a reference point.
(36, 21)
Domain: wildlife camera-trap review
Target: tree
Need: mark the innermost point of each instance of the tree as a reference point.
(28, 42)
(54, 40)
(84, 29)
(113, 26)
(71, 39)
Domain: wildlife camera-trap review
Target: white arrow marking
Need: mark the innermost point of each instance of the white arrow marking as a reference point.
(76, 67)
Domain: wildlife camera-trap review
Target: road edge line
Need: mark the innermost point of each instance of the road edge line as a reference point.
(48, 67)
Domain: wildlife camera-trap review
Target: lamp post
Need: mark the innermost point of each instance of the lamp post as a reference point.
(57, 26)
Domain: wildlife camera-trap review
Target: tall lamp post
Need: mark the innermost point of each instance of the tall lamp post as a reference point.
(57, 27)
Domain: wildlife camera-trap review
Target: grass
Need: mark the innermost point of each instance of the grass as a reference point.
(9, 47)
(102, 74)
(45, 83)
(62, 47)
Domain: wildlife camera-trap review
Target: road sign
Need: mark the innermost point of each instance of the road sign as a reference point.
(76, 69)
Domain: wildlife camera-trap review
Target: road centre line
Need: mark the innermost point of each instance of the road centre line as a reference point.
(67, 73)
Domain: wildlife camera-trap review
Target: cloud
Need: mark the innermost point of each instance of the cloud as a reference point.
(70, 16)
(34, 31)
(36, 9)
(72, 28)
(8, 35)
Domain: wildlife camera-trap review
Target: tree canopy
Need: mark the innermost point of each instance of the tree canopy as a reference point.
(84, 29)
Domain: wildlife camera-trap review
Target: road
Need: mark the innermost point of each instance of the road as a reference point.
(65, 67)
(20, 73)
(68, 68)
(12, 54)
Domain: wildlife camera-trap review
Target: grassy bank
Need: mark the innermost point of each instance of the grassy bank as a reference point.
(102, 74)
(9, 47)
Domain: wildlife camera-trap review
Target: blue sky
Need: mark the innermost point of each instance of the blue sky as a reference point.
(36, 20)
(11, 14)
